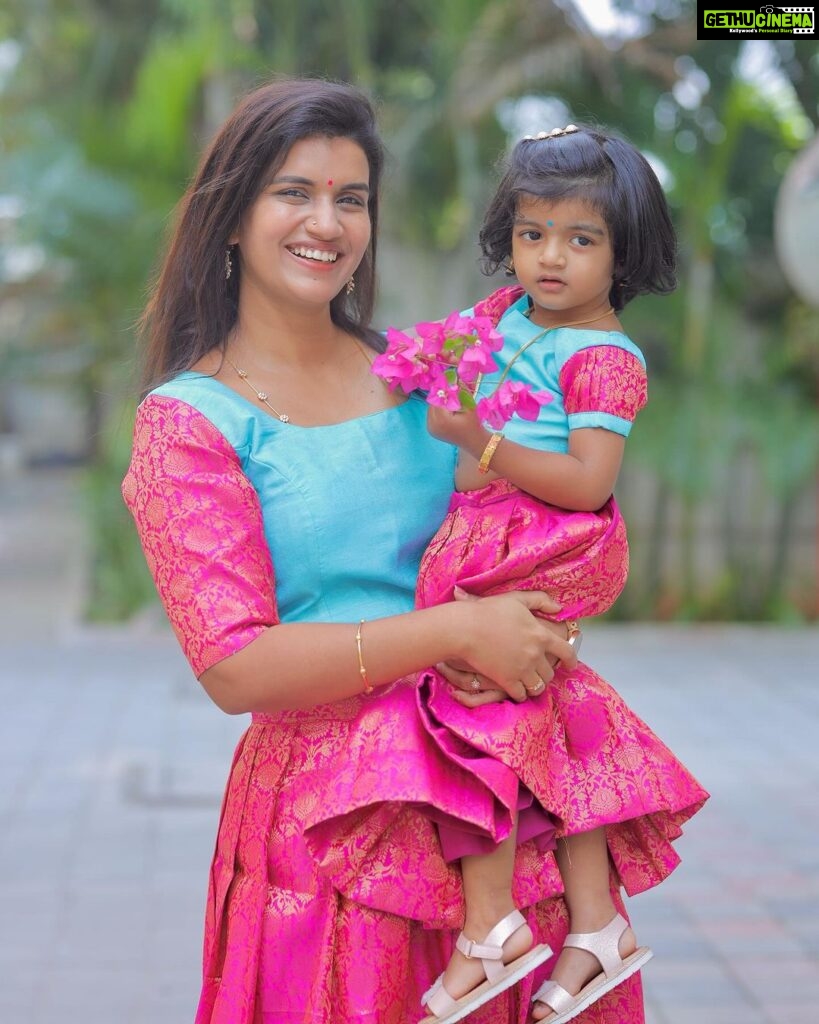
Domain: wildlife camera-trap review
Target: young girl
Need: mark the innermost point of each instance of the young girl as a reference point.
(582, 221)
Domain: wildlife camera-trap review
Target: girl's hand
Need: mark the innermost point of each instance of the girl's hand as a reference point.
(462, 428)
(509, 646)
(468, 688)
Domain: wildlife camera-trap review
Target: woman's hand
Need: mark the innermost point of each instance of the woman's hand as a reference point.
(473, 690)
(510, 648)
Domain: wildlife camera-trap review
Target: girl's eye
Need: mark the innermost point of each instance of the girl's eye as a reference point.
(531, 235)
(582, 241)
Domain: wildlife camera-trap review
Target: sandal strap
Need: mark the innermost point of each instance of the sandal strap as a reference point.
(554, 996)
(492, 946)
(437, 1000)
(604, 945)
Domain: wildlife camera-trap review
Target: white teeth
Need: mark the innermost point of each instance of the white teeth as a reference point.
(316, 254)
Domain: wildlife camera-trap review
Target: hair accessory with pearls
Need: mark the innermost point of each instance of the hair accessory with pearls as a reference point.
(553, 134)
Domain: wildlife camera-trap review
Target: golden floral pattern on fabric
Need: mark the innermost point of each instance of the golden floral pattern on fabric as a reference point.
(496, 304)
(604, 378)
(200, 525)
(295, 947)
(499, 539)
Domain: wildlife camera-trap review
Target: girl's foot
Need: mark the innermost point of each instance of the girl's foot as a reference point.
(575, 968)
(463, 973)
(479, 971)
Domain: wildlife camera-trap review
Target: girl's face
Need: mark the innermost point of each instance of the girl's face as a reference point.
(306, 232)
(564, 258)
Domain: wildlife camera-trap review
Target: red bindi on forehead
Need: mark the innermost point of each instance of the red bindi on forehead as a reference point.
(329, 181)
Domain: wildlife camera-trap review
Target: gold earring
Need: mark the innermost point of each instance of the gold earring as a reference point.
(350, 286)
(509, 267)
(228, 264)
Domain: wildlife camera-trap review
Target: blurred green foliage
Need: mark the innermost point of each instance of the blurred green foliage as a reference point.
(104, 105)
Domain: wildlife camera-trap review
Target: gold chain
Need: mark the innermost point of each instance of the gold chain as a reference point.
(262, 395)
(537, 337)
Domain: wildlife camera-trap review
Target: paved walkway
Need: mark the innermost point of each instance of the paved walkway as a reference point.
(112, 763)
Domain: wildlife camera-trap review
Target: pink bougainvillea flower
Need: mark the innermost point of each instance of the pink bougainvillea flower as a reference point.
(445, 357)
(401, 364)
(487, 334)
(445, 391)
(457, 326)
(493, 412)
(475, 359)
(529, 402)
(510, 398)
(433, 337)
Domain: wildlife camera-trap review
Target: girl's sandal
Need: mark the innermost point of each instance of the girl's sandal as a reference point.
(499, 976)
(604, 945)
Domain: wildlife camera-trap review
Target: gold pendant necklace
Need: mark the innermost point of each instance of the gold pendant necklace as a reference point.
(262, 395)
(537, 337)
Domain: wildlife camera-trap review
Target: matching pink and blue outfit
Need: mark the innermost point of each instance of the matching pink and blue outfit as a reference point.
(500, 538)
(329, 897)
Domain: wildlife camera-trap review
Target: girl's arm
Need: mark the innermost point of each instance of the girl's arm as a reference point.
(581, 480)
(603, 387)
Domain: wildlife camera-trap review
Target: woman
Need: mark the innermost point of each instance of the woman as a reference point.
(266, 445)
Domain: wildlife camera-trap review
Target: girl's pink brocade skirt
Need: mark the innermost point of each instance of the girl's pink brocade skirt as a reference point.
(330, 899)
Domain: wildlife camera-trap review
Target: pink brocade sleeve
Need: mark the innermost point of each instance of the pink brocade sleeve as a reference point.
(496, 304)
(201, 527)
(604, 379)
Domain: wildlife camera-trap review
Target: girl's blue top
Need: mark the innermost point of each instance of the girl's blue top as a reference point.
(540, 366)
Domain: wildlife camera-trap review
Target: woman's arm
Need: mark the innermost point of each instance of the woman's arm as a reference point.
(201, 527)
(295, 665)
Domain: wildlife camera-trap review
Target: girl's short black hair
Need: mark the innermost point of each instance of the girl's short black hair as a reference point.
(597, 166)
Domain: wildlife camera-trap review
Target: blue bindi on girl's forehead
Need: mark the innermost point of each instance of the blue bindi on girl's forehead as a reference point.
(550, 223)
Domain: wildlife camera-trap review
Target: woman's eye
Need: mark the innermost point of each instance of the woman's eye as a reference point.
(351, 200)
(292, 193)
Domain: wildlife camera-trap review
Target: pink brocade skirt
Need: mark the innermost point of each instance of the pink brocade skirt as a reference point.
(499, 539)
(354, 935)
(581, 751)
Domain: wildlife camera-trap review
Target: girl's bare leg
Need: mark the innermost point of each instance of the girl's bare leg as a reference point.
(488, 894)
(583, 860)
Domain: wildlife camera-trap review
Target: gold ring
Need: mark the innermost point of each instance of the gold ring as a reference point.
(539, 685)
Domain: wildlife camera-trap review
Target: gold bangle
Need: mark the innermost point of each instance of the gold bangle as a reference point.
(488, 452)
(367, 687)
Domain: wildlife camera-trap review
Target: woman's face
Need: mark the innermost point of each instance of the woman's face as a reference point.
(306, 232)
